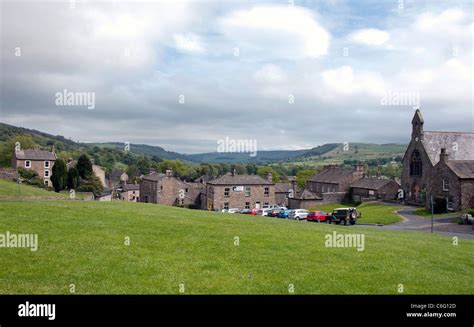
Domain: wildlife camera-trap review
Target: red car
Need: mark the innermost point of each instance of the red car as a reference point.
(317, 216)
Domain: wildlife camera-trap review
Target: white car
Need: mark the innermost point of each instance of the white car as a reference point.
(233, 210)
(271, 206)
(263, 212)
(298, 214)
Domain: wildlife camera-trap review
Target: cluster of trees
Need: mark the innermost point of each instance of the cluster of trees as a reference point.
(80, 178)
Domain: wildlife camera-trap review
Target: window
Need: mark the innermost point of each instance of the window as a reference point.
(226, 192)
(46, 164)
(445, 184)
(226, 205)
(27, 164)
(46, 173)
(247, 205)
(247, 191)
(266, 205)
(267, 191)
(371, 192)
(416, 167)
(324, 188)
(46, 183)
(186, 190)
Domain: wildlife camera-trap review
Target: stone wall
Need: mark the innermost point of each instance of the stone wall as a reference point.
(237, 199)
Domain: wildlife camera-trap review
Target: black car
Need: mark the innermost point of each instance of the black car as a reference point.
(342, 216)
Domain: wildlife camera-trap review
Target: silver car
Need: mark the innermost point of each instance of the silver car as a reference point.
(298, 214)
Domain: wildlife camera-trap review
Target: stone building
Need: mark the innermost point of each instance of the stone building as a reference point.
(423, 153)
(334, 179)
(40, 161)
(284, 192)
(451, 184)
(129, 192)
(240, 191)
(168, 190)
(374, 189)
(116, 179)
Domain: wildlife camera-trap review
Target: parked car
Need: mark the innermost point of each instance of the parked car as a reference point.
(284, 213)
(274, 213)
(233, 210)
(246, 211)
(298, 214)
(343, 216)
(317, 216)
(263, 212)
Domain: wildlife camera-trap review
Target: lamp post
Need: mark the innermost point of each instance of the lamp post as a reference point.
(19, 183)
(432, 212)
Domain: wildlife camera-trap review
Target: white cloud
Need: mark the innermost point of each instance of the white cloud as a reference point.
(344, 80)
(370, 36)
(188, 43)
(270, 74)
(279, 31)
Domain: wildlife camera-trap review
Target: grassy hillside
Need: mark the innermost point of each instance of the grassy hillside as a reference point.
(10, 189)
(82, 243)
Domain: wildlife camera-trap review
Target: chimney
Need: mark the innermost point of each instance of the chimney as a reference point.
(379, 172)
(443, 157)
(270, 177)
(359, 167)
(53, 149)
(169, 172)
(233, 172)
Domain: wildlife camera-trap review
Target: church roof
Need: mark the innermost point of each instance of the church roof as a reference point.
(458, 145)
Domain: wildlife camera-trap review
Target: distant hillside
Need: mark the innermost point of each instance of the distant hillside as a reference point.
(332, 151)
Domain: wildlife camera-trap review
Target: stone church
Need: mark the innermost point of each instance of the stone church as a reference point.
(450, 180)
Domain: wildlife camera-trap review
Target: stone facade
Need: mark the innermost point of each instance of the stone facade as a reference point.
(40, 161)
(374, 189)
(240, 191)
(168, 190)
(130, 192)
(334, 179)
(452, 183)
(423, 153)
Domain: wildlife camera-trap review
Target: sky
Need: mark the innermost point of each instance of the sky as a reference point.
(287, 74)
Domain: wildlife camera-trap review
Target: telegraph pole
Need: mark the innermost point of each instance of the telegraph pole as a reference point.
(432, 212)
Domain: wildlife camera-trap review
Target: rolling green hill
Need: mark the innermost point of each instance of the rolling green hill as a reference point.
(84, 243)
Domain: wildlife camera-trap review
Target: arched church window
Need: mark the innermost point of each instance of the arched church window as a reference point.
(416, 166)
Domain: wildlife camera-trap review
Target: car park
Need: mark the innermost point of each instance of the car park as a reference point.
(263, 212)
(317, 216)
(274, 213)
(298, 214)
(233, 210)
(343, 216)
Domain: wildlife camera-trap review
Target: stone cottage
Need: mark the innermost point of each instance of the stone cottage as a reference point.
(40, 161)
(240, 191)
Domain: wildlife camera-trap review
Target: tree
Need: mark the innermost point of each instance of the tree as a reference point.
(59, 175)
(263, 171)
(72, 178)
(8, 148)
(303, 175)
(84, 166)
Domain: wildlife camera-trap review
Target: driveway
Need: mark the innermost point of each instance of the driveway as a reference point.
(441, 225)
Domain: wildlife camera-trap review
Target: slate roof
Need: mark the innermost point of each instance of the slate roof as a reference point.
(240, 180)
(131, 187)
(30, 154)
(154, 177)
(464, 169)
(116, 174)
(283, 187)
(371, 183)
(334, 175)
(308, 195)
(433, 142)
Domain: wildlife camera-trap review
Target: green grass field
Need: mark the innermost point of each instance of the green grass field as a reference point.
(82, 243)
(422, 212)
(10, 189)
(372, 213)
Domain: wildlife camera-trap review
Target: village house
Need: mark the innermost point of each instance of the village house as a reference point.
(284, 192)
(423, 154)
(240, 191)
(129, 192)
(452, 183)
(331, 185)
(40, 161)
(334, 179)
(367, 189)
(116, 179)
(168, 190)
